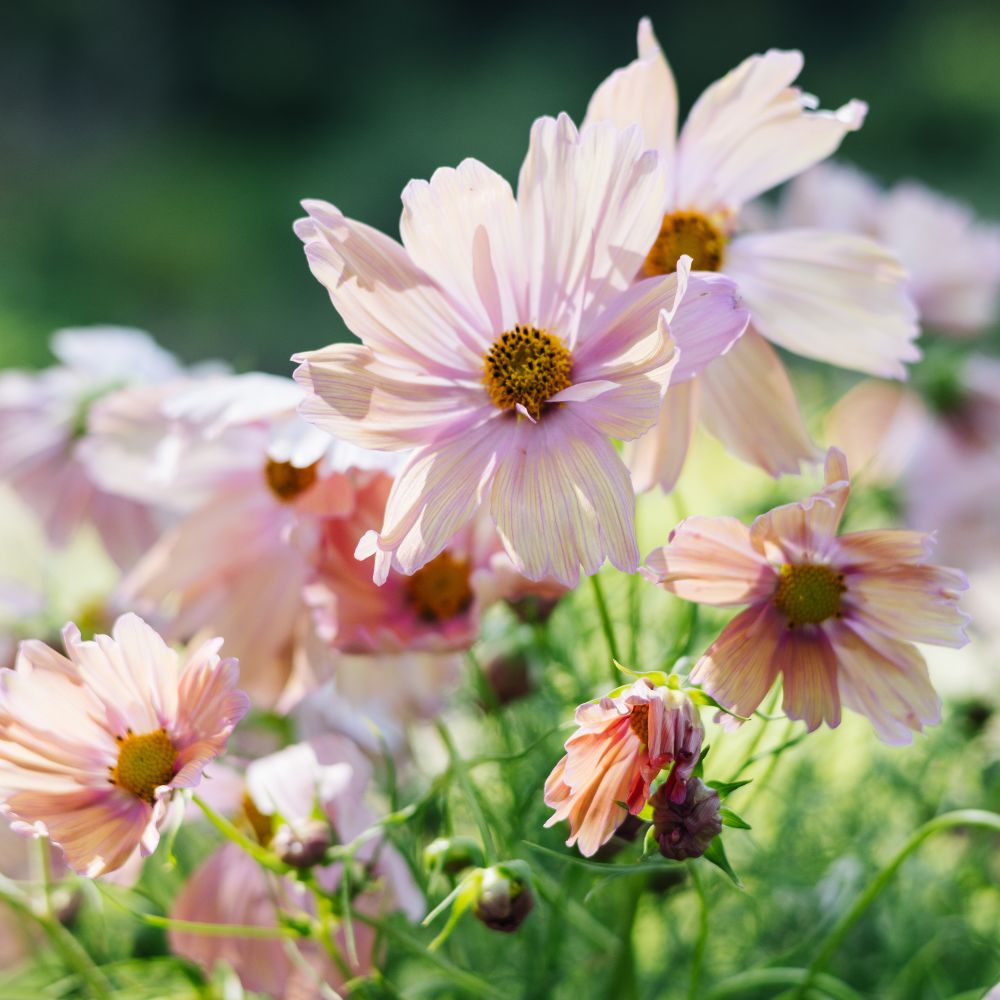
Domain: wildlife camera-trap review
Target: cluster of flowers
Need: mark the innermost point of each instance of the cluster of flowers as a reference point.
(345, 530)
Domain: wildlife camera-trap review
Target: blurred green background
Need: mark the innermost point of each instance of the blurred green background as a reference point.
(153, 154)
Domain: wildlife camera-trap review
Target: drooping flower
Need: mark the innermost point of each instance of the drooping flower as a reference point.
(956, 293)
(43, 419)
(621, 745)
(292, 792)
(837, 617)
(685, 828)
(92, 747)
(502, 343)
(835, 297)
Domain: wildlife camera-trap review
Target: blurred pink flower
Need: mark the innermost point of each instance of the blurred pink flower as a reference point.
(503, 343)
(839, 298)
(92, 747)
(265, 481)
(956, 292)
(328, 777)
(837, 617)
(622, 744)
(44, 417)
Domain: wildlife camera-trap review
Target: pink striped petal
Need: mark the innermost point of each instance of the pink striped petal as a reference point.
(808, 667)
(657, 458)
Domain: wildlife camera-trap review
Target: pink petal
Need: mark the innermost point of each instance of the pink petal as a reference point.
(591, 204)
(835, 297)
(740, 667)
(710, 560)
(643, 92)
(657, 458)
(463, 229)
(808, 667)
(562, 498)
(751, 130)
(748, 403)
(885, 680)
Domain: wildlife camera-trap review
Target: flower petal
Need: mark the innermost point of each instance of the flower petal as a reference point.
(749, 404)
(710, 560)
(835, 297)
(644, 92)
(809, 670)
(562, 499)
(751, 130)
(657, 458)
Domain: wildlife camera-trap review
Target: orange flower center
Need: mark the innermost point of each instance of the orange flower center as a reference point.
(287, 481)
(144, 763)
(527, 366)
(809, 593)
(688, 233)
(440, 590)
(639, 721)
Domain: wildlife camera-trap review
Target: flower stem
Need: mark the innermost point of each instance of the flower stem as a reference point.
(702, 940)
(608, 628)
(961, 817)
(264, 858)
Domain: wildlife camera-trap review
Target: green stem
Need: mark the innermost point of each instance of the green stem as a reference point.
(635, 618)
(606, 626)
(961, 817)
(702, 940)
(757, 979)
(264, 858)
(748, 758)
(759, 784)
(458, 768)
(471, 982)
(623, 982)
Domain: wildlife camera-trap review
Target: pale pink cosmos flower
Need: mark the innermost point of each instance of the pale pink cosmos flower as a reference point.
(505, 343)
(44, 417)
(621, 745)
(835, 297)
(957, 292)
(93, 747)
(837, 617)
(325, 777)
(263, 480)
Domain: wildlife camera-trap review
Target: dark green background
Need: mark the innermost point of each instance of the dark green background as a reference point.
(152, 155)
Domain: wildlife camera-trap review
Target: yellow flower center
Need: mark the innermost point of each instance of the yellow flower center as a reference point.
(144, 763)
(639, 721)
(527, 366)
(688, 233)
(809, 593)
(287, 481)
(440, 590)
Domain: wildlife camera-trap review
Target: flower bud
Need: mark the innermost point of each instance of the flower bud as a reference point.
(685, 829)
(504, 899)
(508, 678)
(304, 846)
(452, 854)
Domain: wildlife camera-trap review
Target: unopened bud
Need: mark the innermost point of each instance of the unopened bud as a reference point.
(685, 829)
(304, 846)
(535, 608)
(508, 678)
(452, 854)
(504, 899)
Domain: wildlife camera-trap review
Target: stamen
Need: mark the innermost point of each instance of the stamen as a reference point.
(809, 593)
(288, 481)
(527, 366)
(440, 590)
(145, 762)
(688, 233)
(639, 721)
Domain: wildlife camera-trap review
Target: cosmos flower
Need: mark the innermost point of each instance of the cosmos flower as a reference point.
(621, 745)
(837, 617)
(502, 342)
(957, 292)
(43, 419)
(236, 563)
(93, 747)
(287, 791)
(834, 297)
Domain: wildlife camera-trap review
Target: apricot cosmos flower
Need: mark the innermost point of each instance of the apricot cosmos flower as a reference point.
(836, 297)
(837, 617)
(92, 747)
(622, 744)
(504, 342)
